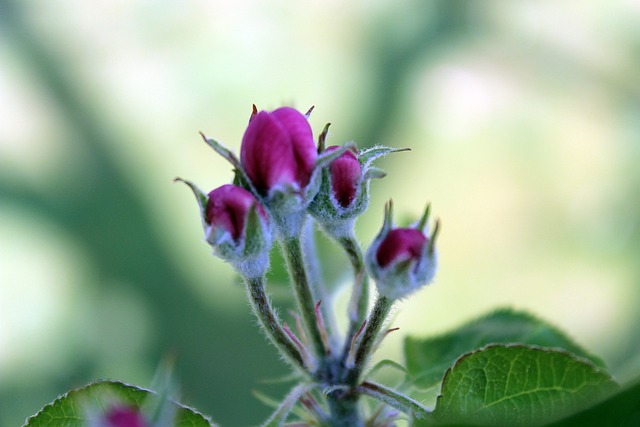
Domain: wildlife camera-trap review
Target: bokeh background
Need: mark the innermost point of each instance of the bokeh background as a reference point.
(523, 119)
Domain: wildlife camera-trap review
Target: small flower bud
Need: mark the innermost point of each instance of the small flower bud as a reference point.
(344, 191)
(236, 226)
(402, 260)
(345, 174)
(123, 416)
(278, 150)
(227, 210)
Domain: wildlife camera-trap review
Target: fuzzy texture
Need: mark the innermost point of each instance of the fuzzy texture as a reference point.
(278, 150)
(400, 261)
(228, 207)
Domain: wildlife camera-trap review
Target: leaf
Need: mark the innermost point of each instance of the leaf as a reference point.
(518, 385)
(621, 409)
(279, 417)
(69, 410)
(428, 359)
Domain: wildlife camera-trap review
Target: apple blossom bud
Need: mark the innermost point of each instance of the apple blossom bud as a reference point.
(278, 150)
(402, 260)
(345, 175)
(236, 226)
(344, 190)
(228, 208)
(401, 244)
(123, 416)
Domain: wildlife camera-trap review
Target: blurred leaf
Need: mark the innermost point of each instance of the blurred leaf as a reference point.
(279, 417)
(69, 410)
(428, 359)
(517, 385)
(620, 410)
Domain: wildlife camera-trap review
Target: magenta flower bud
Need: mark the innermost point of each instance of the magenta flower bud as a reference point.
(278, 150)
(402, 260)
(401, 244)
(123, 416)
(345, 175)
(228, 208)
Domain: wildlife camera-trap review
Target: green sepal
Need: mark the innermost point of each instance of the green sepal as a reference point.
(255, 239)
(370, 154)
(325, 158)
(373, 173)
(395, 399)
(201, 198)
(241, 178)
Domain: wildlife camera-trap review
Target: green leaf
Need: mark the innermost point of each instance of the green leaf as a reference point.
(279, 417)
(518, 385)
(69, 410)
(621, 409)
(428, 359)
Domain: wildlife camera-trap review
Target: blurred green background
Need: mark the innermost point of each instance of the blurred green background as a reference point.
(523, 119)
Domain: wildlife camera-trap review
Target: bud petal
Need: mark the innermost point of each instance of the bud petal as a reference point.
(237, 227)
(228, 207)
(278, 150)
(401, 244)
(123, 416)
(345, 174)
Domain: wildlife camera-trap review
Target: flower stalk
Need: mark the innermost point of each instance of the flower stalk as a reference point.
(302, 291)
(271, 324)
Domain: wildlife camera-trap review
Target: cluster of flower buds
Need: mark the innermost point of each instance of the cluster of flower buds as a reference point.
(280, 177)
(402, 260)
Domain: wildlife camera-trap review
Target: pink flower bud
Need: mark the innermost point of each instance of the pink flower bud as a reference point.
(228, 207)
(346, 173)
(401, 244)
(278, 149)
(122, 416)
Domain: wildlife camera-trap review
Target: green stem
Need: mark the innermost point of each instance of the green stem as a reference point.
(302, 290)
(369, 336)
(360, 294)
(270, 323)
(344, 408)
(394, 399)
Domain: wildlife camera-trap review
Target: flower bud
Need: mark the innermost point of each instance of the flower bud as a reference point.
(345, 174)
(123, 416)
(228, 208)
(344, 190)
(236, 226)
(278, 150)
(402, 260)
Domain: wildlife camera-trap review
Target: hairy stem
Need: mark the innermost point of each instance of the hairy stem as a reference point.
(369, 337)
(344, 408)
(270, 323)
(304, 298)
(360, 293)
(318, 288)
